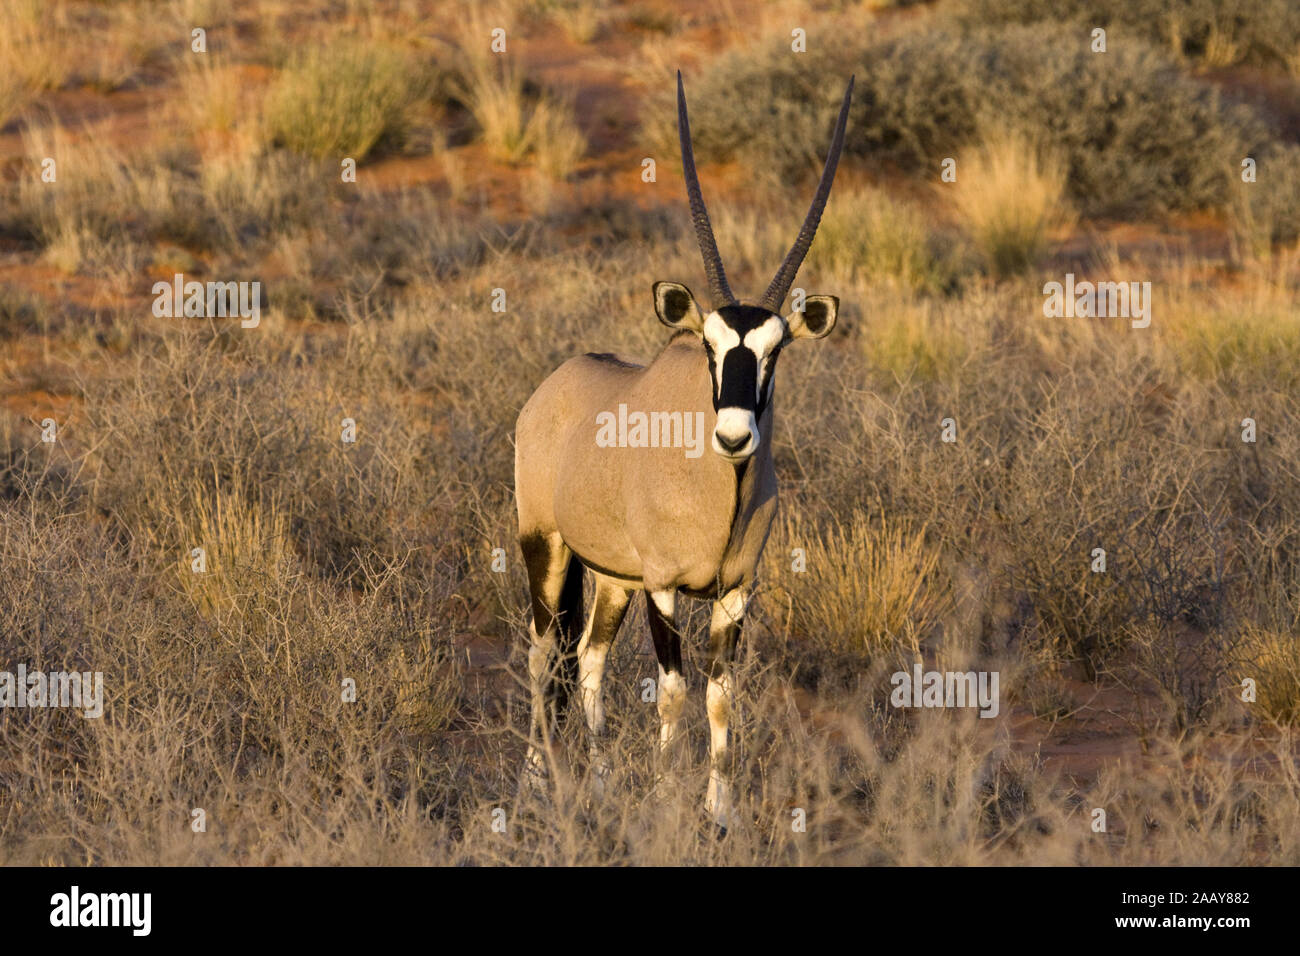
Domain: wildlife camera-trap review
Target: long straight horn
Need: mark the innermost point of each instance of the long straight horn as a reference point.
(718, 288)
(776, 292)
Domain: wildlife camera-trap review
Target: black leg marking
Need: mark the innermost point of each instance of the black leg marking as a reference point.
(570, 624)
(672, 685)
(668, 643)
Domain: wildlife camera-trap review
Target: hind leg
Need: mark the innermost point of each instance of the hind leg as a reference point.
(555, 586)
(607, 611)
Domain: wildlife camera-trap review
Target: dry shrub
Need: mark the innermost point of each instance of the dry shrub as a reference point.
(1265, 214)
(1216, 33)
(198, 422)
(1178, 675)
(1136, 134)
(247, 723)
(1095, 551)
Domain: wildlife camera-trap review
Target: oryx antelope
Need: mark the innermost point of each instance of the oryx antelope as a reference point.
(652, 518)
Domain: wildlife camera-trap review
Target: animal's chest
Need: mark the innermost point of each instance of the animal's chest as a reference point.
(707, 534)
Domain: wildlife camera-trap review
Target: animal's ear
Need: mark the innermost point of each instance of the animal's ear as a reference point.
(676, 307)
(817, 318)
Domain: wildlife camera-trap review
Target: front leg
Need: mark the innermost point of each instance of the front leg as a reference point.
(724, 633)
(661, 606)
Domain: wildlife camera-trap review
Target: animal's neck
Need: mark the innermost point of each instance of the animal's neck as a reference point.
(754, 476)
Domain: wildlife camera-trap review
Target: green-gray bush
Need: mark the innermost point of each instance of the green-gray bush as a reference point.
(1137, 134)
(1217, 32)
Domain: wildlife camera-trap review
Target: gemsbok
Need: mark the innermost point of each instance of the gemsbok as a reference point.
(642, 514)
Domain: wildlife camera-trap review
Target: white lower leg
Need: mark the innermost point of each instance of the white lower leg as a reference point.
(672, 701)
(539, 654)
(728, 611)
(591, 674)
(718, 702)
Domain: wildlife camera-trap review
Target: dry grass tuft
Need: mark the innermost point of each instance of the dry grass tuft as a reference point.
(582, 21)
(517, 122)
(32, 44)
(867, 234)
(343, 100)
(518, 126)
(916, 340)
(870, 588)
(1272, 658)
(1010, 195)
(217, 104)
(246, 549)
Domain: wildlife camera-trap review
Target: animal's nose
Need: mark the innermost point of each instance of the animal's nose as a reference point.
(733, 445)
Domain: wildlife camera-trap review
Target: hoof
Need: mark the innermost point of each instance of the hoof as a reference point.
(534, 778)
(597, 788)
(717, 804)
(600, 776)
